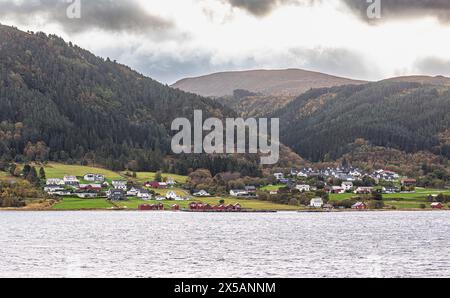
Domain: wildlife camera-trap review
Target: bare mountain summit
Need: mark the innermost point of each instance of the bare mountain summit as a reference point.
(289, 82)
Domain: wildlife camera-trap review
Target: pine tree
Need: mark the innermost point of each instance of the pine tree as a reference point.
(158, 177)
(42, 175)
(32, 176)
(26, 170)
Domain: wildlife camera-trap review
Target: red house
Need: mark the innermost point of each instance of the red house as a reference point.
(359, 206)
(152, 207)
(146, 207)
(90, 187)
(437, 206)
(194, 206)
(175, 207)
(409, 182)
(152, 184)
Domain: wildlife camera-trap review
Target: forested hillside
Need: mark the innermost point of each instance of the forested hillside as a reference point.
(322, 124)
(60, 102)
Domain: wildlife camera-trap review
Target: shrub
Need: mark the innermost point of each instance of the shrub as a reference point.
(374, 204)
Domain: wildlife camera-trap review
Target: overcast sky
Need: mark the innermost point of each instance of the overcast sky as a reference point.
(172, 39)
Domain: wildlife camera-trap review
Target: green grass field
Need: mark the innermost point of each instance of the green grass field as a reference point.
(272, 187)
(150, 176)
(82, 204)
(57, 170)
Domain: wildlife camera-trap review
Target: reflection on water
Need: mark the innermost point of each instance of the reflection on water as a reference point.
(165, 244)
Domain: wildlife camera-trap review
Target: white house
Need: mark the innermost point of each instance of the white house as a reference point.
(363, 190)
(355, 173)
(163, 185)
(238, 193)
(279, 176)
(171, 181)
(86, 195)
(55, 181)
(144, 194)
(347, 185)
(94, 177)
(337, 190)
(171, 195)
(316, 203)
(119, 184)
(51, 189)
(303, 188)
(61, 193)
(302, 175)
(202, 193)
(71, 180)
(133, 192)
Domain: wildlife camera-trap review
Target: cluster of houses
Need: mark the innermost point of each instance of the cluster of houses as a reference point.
(248, 192)
(345, 174)
(349, 177)
(117, 190)
(318, 203)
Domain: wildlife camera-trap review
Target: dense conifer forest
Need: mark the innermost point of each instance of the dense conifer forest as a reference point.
(59, 102)
(323, 124)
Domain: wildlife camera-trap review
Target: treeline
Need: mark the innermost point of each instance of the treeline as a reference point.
(35, 176)
(16, 191)
(222, 183)
(323, 124)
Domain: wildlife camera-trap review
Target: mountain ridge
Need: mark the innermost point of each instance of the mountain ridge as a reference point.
(285, 82)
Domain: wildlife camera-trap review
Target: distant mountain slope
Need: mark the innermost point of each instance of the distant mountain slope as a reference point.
(323, 123)
(288, 82)
(426, 80)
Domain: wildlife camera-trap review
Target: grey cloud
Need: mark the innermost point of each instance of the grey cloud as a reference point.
(168, 67)
(432, 66)
(393, 9)
(261, 8)
(108, 15)
(335, 61)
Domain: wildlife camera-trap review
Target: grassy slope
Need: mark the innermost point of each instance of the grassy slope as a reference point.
(272, 187)
(57, 170)
(150, 176)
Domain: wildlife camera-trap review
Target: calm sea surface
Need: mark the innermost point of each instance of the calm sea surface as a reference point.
(155, 244)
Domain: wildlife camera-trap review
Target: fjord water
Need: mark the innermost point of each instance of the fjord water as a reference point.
(166, 244)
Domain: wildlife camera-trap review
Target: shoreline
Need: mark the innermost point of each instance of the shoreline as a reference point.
(221, 212)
